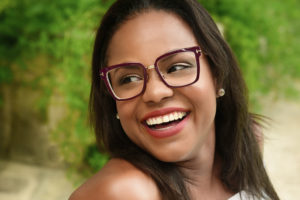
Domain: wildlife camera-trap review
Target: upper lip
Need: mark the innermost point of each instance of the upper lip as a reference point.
(162, 112)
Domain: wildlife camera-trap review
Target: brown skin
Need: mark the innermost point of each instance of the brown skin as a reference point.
(118, 179)
(142, 39)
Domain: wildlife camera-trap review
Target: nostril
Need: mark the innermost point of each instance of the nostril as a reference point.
(157, 92)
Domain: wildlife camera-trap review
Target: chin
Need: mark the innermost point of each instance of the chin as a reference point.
(172, 156)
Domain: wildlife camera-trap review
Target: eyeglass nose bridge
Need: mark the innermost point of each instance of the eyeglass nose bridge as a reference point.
(150, 67)
(162, 76)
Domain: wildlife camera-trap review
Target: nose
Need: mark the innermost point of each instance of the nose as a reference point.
(156, 90)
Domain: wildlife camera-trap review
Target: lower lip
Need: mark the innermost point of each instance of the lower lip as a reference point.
(168, 132)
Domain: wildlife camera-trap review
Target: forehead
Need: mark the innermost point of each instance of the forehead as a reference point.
(152, 32)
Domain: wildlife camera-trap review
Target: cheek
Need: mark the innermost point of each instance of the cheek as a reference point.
(126, 111)
(204, 104)
(202, 96)
(203, 92)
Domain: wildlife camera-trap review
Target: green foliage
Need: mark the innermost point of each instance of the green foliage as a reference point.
(94, 158)
(60, 34)
(6, 75)
(47, 46)
(264, 37)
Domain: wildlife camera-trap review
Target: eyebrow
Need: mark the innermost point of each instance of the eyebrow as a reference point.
(127, 65)
(171, 56)
(164, 57)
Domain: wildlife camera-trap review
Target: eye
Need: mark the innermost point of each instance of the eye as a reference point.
(129, 79)
(178, 67)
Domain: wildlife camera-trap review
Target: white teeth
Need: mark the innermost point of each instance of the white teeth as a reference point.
(171, 118)
(180, 115)
(165, 118)
(152, 121)
(159, 120)
(176, 116)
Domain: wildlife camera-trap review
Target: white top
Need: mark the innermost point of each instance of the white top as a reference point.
(243, 196)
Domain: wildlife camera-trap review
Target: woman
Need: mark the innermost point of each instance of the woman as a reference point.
(161, 110)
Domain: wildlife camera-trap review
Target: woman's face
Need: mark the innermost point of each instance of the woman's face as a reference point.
(142, 39)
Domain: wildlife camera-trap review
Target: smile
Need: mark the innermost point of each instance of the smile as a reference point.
(171, 117)
(163, 123)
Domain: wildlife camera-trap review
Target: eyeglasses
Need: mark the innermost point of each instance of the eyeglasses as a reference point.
(176, 68)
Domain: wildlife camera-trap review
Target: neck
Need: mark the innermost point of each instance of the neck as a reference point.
(203, 173)
(206, 183)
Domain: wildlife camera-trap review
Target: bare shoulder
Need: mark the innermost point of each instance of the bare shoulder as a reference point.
(118, 179)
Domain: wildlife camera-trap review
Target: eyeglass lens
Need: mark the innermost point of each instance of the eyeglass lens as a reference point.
(176, 70)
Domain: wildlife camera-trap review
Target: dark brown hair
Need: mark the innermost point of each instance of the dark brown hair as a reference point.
(242, 166)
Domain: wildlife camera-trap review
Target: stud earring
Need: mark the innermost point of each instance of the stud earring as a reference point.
(221, 92)
(117, 116)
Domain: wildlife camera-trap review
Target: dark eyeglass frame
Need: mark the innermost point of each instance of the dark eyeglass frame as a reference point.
(104, 71)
